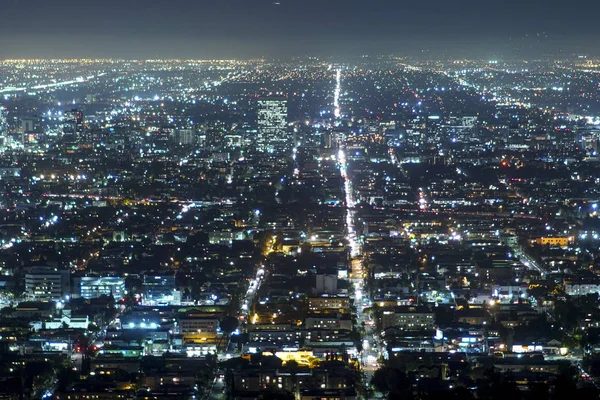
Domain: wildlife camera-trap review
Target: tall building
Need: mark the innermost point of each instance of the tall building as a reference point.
(74, 124)
(31, 124)
(31, 130)
(158, 141)
(273, 134)
(47, 283)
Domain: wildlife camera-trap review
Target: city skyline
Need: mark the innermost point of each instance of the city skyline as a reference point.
(299, 200)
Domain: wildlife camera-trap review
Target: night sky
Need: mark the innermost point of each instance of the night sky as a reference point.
(254, 28)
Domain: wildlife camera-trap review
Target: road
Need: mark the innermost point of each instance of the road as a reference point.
(217, 389)
(528, 262)
(215, 392)
(336, 93)
(371, 348)
(370, 353)
(371, 343)
(246, 303)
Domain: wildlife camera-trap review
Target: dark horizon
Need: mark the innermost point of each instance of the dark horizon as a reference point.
(138, 29)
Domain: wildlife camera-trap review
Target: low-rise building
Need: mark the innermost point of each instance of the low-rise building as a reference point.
(321, 303)
(408, 318)
(193, 325)
(90, 287)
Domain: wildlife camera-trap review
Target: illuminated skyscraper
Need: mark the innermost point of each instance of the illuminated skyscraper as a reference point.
(31, 125)
(273, 134)
(73, 124)
(31, 130)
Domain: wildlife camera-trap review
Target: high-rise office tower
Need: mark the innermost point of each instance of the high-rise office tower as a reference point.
(31, 129)
(74, 124)
(31, 125)
(273, 134)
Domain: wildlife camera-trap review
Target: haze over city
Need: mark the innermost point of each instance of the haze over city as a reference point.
(265, 28)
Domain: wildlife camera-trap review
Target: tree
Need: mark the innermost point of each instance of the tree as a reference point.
(564, 386)
(539, 390)
(276, 394)
(66, 376)
(393, 382)
(228, 324)
(499, 387)
(357, 339)
(40, 376)
(6, 311)
(462, 393)
(305, 248)
(235, 363)
(379, 382)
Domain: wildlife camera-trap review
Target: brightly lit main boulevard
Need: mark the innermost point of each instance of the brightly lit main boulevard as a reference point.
(370, 353)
